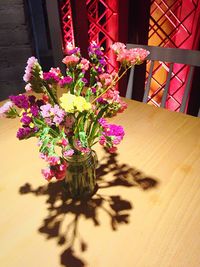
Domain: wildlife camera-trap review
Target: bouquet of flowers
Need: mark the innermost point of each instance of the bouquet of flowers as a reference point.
(72, 123)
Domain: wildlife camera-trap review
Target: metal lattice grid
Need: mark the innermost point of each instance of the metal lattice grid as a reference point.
(66, 22)
(101, 17)
(172, 24)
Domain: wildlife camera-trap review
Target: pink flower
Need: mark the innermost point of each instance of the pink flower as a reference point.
(134, 56)
(68, 153)
(45, 110)
(69, 121)
(117, 47)
(64, 142)
(105, 79)
(70, 49)
(84, 64)
(70, 60)
(53, 160)
(5, 108)
(112, 149)
(56, 71)
(61, 171)
(102, 140)
(28, 87)
(28, 70)
(48, 173)
(123, 106)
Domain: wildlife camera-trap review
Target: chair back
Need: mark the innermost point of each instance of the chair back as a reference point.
(170, 56)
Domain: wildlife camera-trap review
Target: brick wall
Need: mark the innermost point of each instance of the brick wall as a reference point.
(15, 47)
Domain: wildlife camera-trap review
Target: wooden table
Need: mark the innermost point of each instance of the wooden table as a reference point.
(146, 212)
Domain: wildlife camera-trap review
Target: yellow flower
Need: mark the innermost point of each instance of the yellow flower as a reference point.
(71, 103)
(81, 104)
(67, 102)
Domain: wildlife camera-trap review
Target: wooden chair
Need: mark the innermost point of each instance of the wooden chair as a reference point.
(171, 56)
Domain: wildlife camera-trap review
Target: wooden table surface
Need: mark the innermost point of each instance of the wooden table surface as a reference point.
(146, 212)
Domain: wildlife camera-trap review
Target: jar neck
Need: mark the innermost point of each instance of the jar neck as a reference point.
(79, 158)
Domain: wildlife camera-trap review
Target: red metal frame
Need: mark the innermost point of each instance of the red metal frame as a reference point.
(173, 24)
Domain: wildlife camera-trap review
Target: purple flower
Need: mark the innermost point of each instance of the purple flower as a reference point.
(31, 99)
(21, 101)
(40, 102)
(26, 120)
(102, 101)
(84, 80)
(34, 110)
(93, 90)
(102, 62)
(23, 133)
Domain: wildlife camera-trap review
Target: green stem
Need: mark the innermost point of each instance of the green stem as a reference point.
(112, 84)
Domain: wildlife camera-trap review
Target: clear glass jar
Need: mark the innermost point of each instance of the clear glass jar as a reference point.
(81, 175)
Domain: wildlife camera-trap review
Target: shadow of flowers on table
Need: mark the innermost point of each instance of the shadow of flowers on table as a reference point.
(64, 213)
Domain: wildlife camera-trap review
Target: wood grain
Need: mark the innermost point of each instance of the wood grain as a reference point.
(146, 212)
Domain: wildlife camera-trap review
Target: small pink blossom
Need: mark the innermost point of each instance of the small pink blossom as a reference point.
(28, 87)
(64, 142)
(61, 171)
(70, 60)
(117, 47)
(84, 64)
(5, 108)
(102, 140)
(112, 149)
(134, 56)
(68, 153)
(70, 49)
(48, 173)
(28, 70)
(105, 79)
(53, 160)
(56, 71)
(69, 121)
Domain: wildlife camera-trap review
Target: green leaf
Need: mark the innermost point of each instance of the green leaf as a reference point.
(83, 139)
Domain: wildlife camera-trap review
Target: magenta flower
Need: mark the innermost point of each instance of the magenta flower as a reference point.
(65, 80)
(70, 49)
(34, 110)
(21, 101)
(50, 76)
(25, 119)
(23, 133)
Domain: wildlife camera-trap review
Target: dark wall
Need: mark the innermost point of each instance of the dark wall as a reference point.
(15, 47)
(138, 29)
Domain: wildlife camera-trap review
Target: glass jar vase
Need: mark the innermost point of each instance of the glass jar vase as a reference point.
(80, 180)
